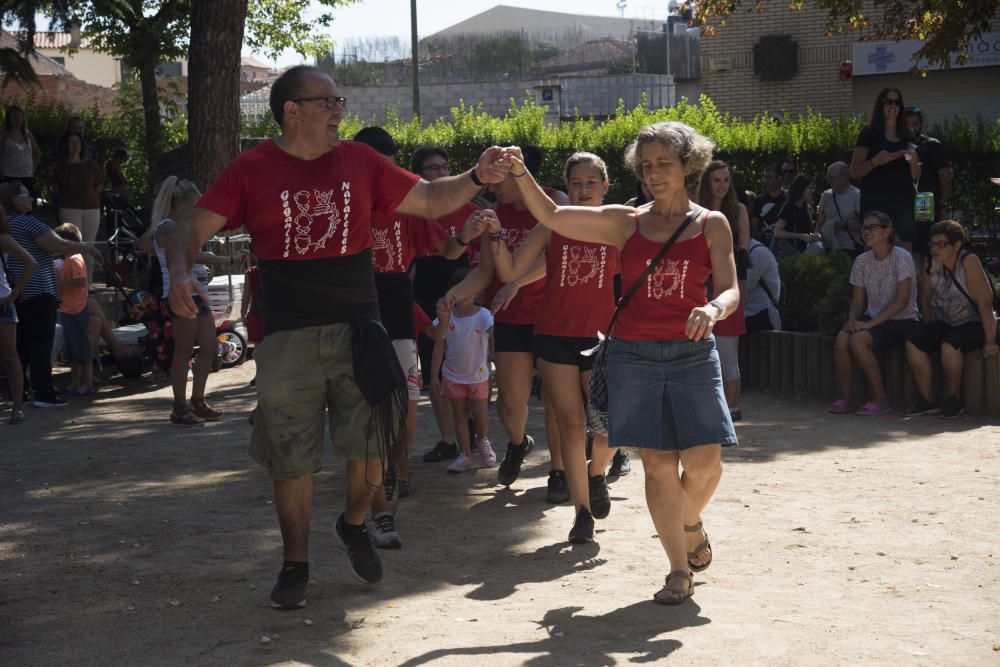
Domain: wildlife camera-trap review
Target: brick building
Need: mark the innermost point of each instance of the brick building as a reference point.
(781, 60)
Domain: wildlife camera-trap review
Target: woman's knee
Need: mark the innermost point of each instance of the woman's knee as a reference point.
(861, 341)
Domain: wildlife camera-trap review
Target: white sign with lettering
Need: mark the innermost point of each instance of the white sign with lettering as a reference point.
(895, 57)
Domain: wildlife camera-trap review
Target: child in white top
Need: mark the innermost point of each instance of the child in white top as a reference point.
(460, 372)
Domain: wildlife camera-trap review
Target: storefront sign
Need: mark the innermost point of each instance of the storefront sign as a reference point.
(895, 57)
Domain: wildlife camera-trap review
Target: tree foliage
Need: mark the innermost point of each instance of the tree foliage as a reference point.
(946, 25)
(275, 25)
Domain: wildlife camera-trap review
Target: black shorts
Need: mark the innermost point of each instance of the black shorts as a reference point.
(892, 333)
(564, 350)
(966, 337)
(512, 337)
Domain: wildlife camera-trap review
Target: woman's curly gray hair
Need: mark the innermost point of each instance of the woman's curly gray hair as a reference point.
(694, 149)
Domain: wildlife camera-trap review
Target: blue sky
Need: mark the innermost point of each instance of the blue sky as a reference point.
(373, 18)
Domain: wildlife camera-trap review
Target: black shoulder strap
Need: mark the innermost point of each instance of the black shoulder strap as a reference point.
(652, 265)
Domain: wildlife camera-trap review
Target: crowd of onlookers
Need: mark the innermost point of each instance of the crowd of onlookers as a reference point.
(47, 274)
(915, 282)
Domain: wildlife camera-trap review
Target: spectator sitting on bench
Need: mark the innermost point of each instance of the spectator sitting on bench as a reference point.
(957, 305)
(885, 276)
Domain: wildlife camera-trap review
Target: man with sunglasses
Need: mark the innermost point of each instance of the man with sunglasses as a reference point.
(307, 200)
(788, 174)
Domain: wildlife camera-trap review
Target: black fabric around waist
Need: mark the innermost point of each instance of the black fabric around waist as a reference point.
(395, 304)
(315, 292)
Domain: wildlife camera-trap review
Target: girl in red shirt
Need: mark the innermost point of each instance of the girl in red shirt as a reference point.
(577, 302)
(664, 382)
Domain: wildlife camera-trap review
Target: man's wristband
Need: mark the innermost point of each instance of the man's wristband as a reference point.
(475, 178)
(494, 236)
(521, 175)
(458, 237)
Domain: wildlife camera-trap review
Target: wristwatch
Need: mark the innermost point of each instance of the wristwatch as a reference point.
(475, 178)
(718, 306)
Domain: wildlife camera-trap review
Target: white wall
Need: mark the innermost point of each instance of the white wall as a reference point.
(101, 69)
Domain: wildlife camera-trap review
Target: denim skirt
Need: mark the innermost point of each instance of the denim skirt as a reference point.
(666, 395)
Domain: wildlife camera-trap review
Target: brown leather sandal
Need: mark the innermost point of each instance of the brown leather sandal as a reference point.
(699, 551)
(672, 596)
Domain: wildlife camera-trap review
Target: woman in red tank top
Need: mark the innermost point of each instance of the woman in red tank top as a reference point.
(577, 302)
(664, 381)
(716, 193)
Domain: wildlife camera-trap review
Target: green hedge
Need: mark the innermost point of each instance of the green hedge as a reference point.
(811, 140)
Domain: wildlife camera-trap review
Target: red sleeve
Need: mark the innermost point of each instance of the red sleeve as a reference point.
(392, 182)
(420, 319)
(226, 196)
(425, 234)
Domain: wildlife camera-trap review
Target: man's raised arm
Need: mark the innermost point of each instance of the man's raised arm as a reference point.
(183, 239)
(433, 199)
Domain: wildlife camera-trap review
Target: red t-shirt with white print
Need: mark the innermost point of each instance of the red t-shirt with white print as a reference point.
(517, 224)
(299, 209)
(310, 221)
(397, 239)
(578, 298)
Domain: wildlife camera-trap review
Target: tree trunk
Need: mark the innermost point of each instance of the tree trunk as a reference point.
(150, 108)
(214, 86)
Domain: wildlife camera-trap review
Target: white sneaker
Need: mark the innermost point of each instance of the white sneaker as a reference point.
(486, 452)
(461, 464)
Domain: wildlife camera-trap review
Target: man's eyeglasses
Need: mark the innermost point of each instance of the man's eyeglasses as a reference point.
(890, 102)
(443, 166)
(872, 228)
(938, 244)
(331, 102)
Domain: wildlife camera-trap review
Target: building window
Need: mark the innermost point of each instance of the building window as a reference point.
(169, 69)
(59, 59)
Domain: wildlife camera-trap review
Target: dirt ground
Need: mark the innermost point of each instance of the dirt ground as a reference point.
(838, 540)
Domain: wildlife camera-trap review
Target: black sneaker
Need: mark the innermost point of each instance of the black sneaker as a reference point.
(290, 591)
(922, 407)
(583, 528)
(620, 464)
(443, 451)
(365, 562)
(558, 491)
(952, 408)
(510, 467)
(600, 501)
(51, 401)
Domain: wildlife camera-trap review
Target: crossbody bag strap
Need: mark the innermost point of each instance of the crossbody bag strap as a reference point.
(652, 265)
(840, 215)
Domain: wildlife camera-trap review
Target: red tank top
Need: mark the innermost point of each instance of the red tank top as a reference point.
(659, 309)
(579, 298)
(516, 226)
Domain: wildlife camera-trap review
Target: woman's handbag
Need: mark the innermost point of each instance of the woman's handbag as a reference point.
(597, 401)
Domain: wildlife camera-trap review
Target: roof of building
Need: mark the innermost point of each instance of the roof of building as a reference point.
(58, 40)
(504, 18)
(42, 64)
(247, 61)
(595, 53)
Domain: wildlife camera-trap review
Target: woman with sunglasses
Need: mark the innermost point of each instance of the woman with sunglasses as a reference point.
(883, 277)
(887, 164)
(957, 304)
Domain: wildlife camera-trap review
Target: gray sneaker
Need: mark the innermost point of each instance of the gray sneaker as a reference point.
(385, 534)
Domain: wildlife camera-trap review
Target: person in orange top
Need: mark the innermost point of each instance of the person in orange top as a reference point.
(74, 314)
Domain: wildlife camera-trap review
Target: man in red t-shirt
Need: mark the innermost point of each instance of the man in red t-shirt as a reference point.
(307, 198)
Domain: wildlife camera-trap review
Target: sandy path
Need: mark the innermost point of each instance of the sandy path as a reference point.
(838, 540)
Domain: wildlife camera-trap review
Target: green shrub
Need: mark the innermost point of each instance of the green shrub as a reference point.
(817, 291)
